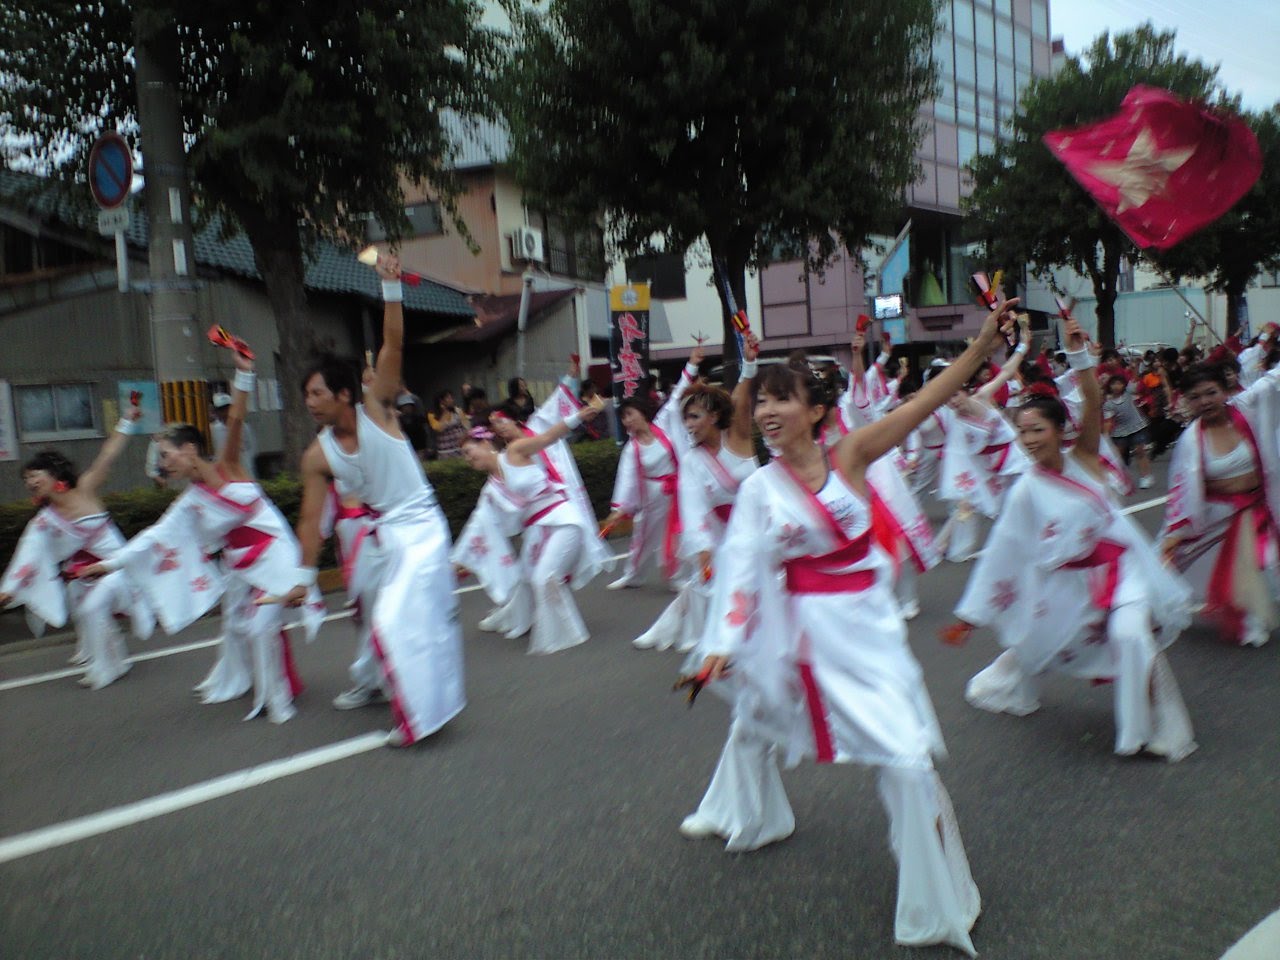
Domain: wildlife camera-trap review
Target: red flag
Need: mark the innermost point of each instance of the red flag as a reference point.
(1162, 167)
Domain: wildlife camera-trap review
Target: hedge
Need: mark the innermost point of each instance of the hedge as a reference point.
(457, 487)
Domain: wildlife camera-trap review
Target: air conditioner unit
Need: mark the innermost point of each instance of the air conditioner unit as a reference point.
(526, 244)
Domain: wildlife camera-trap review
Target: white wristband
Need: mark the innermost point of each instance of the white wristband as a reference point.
(1021, 348)
(128, 427)
(749, 370)
(244, 381)
(690, 370)
(392, 291)
(307, 576)
(574, 420)
(883, 359)
(1081, 359)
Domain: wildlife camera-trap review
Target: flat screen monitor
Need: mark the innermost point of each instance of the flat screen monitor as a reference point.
(889, 307)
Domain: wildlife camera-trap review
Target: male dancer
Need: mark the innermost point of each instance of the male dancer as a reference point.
(415, 629)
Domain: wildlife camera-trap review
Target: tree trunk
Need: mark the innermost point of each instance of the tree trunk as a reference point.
(733, 254)
(1105, 281)
(277, 251)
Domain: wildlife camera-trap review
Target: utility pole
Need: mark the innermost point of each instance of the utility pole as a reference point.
(175, 329)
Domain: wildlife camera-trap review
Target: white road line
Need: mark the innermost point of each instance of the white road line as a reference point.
(1145, 505)
(81, 828)
(173, 651)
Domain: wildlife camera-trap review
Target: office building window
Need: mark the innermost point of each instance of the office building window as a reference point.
(983, 31)
(968, 144)
(55, 411)
(965, 70)
(962, 12)
(944, 107)
(966, 106)
(1005, 87)
(1269, 278)
(1005, 7)
(424, 221)
(944, 55)
(1022, 50)
(986, 74)
(1040, 19)
(1004, 38)
(571, 251)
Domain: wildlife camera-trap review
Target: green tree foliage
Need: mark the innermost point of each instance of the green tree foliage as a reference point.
(1230, 252)
(771, 124)
(300, 118)
(1026, 207)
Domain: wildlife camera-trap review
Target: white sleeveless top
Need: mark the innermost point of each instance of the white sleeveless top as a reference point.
(654, 459)
(1236, 462)
(535, 491)
(849, 510)
(384, 472)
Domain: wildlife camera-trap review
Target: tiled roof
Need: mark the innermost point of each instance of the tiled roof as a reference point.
(330, 269)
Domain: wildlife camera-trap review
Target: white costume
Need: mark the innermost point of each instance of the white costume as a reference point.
(484, 548)
(980, 458)
(352, 527)
(1071, 585)
(259, 557)
(799, 569)
(1229, 553)
(646, 489)
(707, 487)
(51, 550)
(414, 619)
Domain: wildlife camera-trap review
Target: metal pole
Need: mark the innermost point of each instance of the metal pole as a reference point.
(122, 263)
(522, 320)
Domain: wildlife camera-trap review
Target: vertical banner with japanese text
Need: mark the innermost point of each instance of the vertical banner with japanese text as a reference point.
(628, 338)
(8, 425)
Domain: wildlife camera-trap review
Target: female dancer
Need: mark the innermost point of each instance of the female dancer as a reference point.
(716, 455)
(1224, 500)
(808, 555)
(647, 481)
(557, 530)
(72, 530)
(1072, 585)
(222, 508)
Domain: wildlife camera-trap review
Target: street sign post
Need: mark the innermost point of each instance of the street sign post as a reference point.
(110, 179)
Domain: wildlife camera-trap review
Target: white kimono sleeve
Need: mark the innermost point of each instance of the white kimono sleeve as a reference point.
(696, 514)
(626, 485)
(32, 578)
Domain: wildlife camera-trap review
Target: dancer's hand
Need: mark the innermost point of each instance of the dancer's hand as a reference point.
(594, 406)
(715, 667)
(92, 571)
(388, 266)
(697, 355)
(5, 599)
(1073, 337)
(750, 348)
(295, 597)
(858, 342)
(997, 324)
(241, 361)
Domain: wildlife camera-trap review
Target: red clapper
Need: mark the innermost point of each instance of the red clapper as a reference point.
(220, 337)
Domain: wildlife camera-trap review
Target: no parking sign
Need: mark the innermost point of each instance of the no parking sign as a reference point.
(110, 170)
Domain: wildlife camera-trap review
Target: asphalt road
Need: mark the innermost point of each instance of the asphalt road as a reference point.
(542, 822)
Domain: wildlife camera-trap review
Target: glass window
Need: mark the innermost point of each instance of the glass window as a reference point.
(1022, 49)
(966, 106)
(965, 72)
(1040, 19)
(59, 409)
(1005, 7)
(944, 107)
(986, 142)
(1004, 39)
(986, 74)
(1005, 87)
(983, 29)
(944, 56)
(963, 13)
(967, 140)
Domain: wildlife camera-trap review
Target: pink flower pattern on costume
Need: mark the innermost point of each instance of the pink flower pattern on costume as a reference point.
(479, 546)
(25, 576)
(745, 612)
(965, 481)
(201, 583)
(1003, 595)
(1042, 610)
(792, 536)
(168, 559)
(508, 560)
(1051, 530)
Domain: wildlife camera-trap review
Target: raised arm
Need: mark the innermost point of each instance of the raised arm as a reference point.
(1010, 369)
(867, 444)
(523, 449)
(240, 387)
(1079, 350)
(390, 366)
(739, 434)
(96, 475)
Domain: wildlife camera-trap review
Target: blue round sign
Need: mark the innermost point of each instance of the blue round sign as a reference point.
(110, 170)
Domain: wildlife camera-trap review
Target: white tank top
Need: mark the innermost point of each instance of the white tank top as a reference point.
(850, 510)
(535, 491)
(1236, 462)
(384, 472)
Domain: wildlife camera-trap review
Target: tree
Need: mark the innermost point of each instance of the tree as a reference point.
(775, 124)
(301, 118)
(1230, 252)
(1026, 208)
